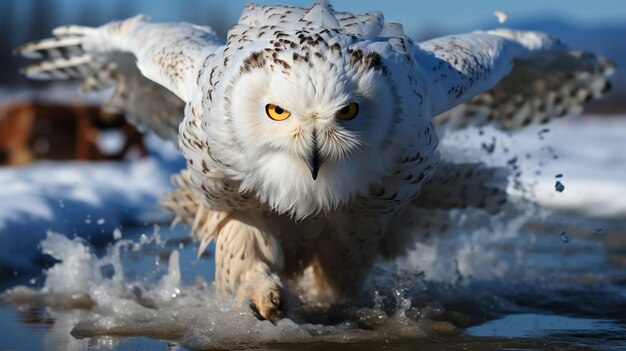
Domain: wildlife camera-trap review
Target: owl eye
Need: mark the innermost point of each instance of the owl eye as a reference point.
(276, 112)
(348, 112)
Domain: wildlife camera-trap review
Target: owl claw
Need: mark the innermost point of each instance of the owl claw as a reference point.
(255, 311)
(266, 301)
(272, 306)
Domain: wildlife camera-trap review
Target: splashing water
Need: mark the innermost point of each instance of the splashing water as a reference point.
(112, 304)
(558, 186)
(99, 299)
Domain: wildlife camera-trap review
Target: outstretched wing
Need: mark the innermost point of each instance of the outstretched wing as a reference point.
(154, 67)
(452, 186)
(509, 78)
(463, 185)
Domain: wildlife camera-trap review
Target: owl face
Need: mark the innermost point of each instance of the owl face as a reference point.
(314, 132)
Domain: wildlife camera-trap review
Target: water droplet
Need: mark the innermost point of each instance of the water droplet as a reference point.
(559, 186)
(489, 148)
(502, 16)
(100, 221)
(564, 237)
(117, 234)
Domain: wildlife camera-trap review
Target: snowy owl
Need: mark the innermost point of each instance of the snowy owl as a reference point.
(309, 133)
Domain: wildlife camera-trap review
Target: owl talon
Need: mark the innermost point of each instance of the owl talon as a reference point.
(272, 305)
(255, 311)
(266, 301)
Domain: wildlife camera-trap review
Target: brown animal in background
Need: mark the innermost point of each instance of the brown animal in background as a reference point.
(37, 130)
(16, 128)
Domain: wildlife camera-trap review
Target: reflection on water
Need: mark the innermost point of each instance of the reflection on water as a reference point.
(545, 293)
(535, 325)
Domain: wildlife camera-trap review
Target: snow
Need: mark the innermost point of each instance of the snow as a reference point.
(586, 153)
(592, 160)
(78, 198)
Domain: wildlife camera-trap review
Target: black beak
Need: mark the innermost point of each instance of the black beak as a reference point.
(315, 161)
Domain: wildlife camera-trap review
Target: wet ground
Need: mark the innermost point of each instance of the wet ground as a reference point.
(551, 284)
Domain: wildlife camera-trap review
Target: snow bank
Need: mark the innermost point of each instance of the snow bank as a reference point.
(586, 155)
(79, 198)
(590, 154)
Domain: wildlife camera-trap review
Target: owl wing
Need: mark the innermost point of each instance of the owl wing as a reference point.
(463, 185)
(153, 67)
(508, 78)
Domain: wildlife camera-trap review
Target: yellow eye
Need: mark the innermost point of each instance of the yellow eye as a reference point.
(348, 112)
(276, 112)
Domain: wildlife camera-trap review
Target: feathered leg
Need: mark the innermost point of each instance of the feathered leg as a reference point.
(248, 256)
(345, 254)
(247, 260)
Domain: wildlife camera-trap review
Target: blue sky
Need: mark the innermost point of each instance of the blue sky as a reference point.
(458, 15)
(417, 16)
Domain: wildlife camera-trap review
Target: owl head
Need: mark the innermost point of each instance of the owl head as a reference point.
(310, 115)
